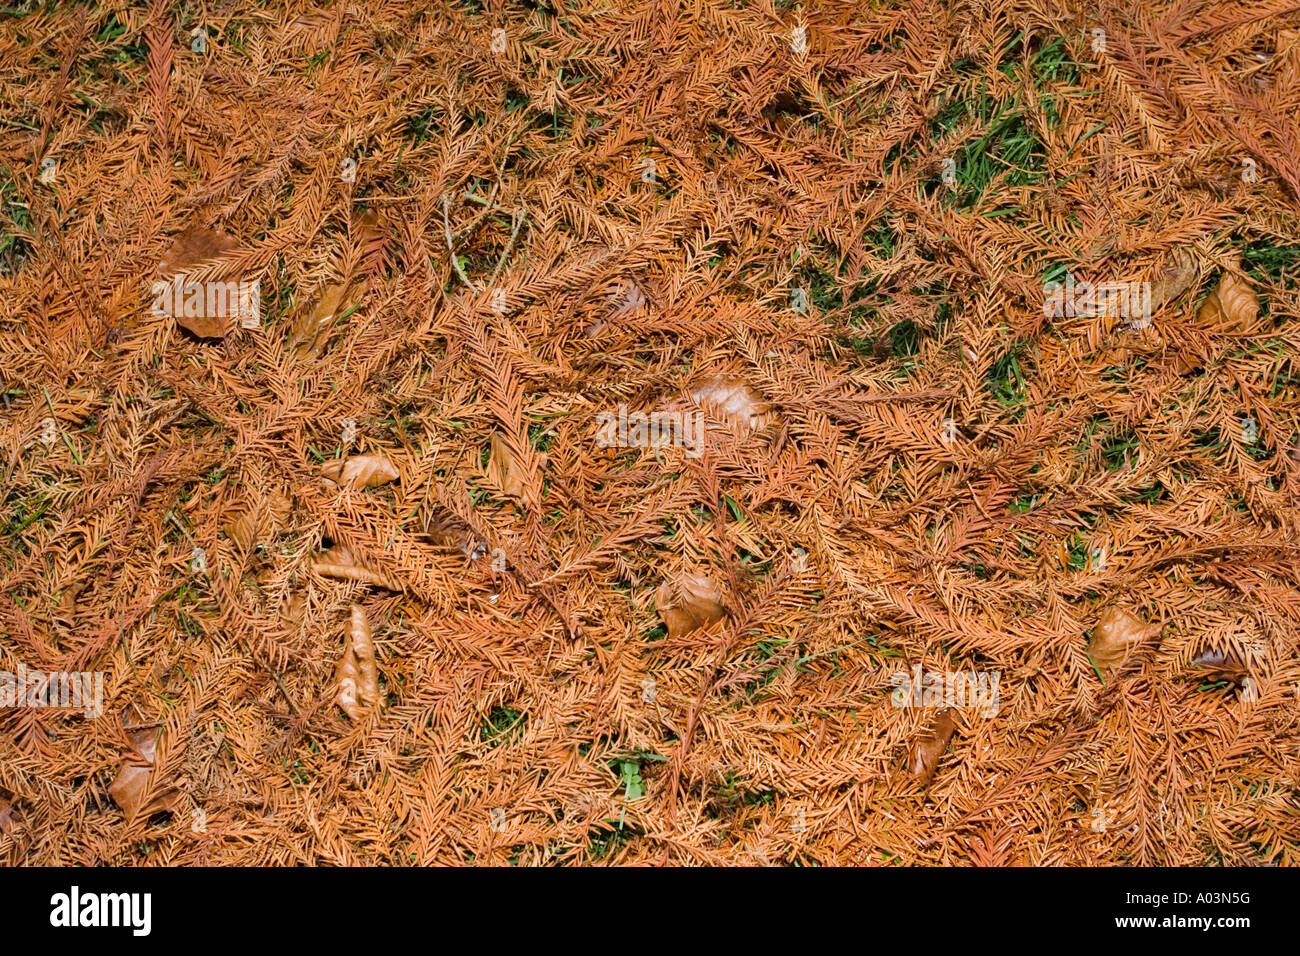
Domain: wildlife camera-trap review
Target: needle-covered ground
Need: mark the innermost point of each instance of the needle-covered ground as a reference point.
(932, 555)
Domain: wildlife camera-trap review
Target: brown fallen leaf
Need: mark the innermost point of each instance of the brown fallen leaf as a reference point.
(1231, 306)
(341, 564)
(1221, 666)
(370, 233)
(446, 529)
(504, 469)
(733, 401)
(133, 789)
(360, 471)
(1186, 362)
(310, 328)
(190, 249)
(68, 600)
(260, 524)
(626, 300)
(358, 675)
(295, 607)
(929, 747)
(1178, 274)
(7, 815)
(689, 602)
(1118, 633)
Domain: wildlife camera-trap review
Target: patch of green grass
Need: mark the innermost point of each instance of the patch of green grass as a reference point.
(1118, 449)
(733, 793)
(15, 226)
(1278, 264)
(1209, 439)
(499, 723)
(905, 339)
(419, 123)
(1022, 504)
(1009, 149)
(605, 840)
(1006, 380)
(540, 437)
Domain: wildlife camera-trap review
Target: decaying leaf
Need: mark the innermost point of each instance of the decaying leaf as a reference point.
(193, 247)
(341, 564)
(1231, 306)
(446, 529)
(311, 327)
(1221, 666)
(358, 675)
(295, 607)
(262, 524)
(1118, 633)
(626, 300)
(1176, 276)
(370, 233)
(133, 789)
(688, 602)
(504, 469)
(67, 609)
(733, 401)
(929, 747)
(360, 471)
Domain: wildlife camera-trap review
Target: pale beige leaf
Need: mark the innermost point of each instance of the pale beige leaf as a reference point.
(190, 249)
(261, 524)
(731, 400)
(1176, 276)
(341, 564)
(357, 676)
(448, 530)
(310, 328)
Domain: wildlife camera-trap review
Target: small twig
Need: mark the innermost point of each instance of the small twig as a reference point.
(455, 263)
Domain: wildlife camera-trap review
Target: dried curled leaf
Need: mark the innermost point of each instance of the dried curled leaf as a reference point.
(133, 789)
(1231, 306)
(732, 400)
(190, 249)
(691, 601)
(446, 529)
(341, 564)
(1178, 274)
(1117, 634)
(360, 471)
(260, 525)
(504, 468)
(929, 747)
(358, 675)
